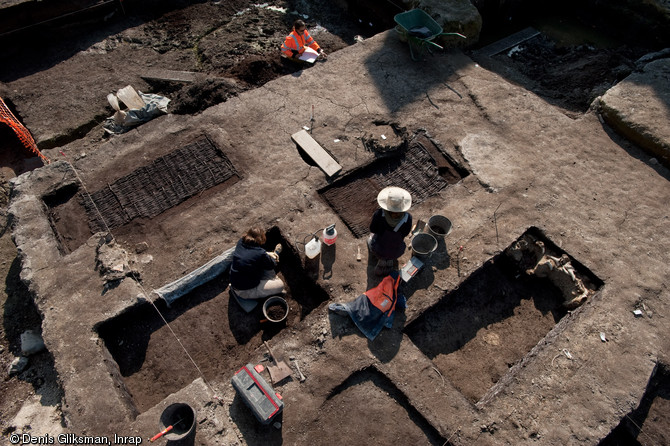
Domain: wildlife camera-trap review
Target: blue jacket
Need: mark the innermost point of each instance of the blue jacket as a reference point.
(249, 264)
(375, 309)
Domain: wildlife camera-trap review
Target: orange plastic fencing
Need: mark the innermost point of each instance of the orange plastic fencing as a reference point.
(24, 135)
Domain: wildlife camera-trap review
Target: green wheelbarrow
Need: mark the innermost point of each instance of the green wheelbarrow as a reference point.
(419, 29)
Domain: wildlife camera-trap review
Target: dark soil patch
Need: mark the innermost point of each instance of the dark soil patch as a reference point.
(257, 70)
(67, 218)
(512, 315)
(571, 76)
(423, 174)
(477, 332)
(276, 311)
(152, 368)
(15, 158)
(388, 415)
(200, 95)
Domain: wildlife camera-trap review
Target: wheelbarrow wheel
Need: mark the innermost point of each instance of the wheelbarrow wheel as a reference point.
(421, 46)
(415, 43)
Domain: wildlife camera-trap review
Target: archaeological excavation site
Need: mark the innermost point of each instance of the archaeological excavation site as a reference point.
(149, 146)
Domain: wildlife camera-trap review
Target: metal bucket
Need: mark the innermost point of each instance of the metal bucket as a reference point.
(278, 302)
(181, 417)
(438, 226)
(423, 245)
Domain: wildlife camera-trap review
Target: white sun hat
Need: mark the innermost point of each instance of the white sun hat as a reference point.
(394, 199)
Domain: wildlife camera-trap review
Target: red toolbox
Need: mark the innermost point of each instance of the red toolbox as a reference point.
(257, 394)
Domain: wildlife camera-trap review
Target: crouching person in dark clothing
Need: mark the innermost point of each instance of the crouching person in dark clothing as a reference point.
(252, 273)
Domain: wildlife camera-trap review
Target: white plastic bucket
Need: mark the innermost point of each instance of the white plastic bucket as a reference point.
(313, 248)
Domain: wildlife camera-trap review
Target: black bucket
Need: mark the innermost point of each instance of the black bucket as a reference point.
(438, 226)
(423, 245)
(181, 417)
(275, 309)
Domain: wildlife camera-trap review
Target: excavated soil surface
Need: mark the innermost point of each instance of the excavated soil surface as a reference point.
(234, 45)
(137, 338)
(570, 77)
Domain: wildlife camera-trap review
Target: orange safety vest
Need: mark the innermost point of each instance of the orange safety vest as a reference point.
(385, 295)
(298, 42)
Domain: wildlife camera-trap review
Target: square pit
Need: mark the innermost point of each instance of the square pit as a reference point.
(477, 332)
(165, 183)
(422, 169)
(154, 365)
(389, 414)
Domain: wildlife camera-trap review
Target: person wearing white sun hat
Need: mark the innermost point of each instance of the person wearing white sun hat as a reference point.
(389, 227)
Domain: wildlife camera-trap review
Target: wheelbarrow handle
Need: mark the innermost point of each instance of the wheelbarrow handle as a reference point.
(453, 34)
(418, 41)
(434, 44)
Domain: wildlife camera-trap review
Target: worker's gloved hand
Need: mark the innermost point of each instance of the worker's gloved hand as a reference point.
(322, 54)
(295, 53)
(274, 256)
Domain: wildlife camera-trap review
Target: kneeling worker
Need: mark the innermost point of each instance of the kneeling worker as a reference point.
(298, 41)
(252, 274)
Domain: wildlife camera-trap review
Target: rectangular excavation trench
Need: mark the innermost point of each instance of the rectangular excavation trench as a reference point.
(386, 414)
(422, 169)
(143, 194)
(216, 332)
(648, 424)
(477, 332)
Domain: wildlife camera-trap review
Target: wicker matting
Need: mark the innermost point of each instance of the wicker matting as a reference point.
(354, 197)
(159, 186)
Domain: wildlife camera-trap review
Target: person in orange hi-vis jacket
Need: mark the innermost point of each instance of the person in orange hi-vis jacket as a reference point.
(299, 39)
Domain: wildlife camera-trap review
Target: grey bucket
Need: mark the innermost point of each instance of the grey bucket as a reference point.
(275, 300)
(181, 417)
(423, 245)
(438, 226)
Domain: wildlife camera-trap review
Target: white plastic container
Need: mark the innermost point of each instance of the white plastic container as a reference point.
(313, 248)
(330, 235)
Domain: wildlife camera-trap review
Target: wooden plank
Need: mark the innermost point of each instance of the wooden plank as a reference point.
(316, 152)
(508, 42)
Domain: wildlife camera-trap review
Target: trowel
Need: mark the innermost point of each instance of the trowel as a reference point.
(280, 370)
